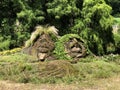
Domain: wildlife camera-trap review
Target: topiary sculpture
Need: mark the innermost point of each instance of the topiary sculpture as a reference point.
(41, 42)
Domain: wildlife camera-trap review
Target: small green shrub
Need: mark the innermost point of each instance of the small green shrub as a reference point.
(4, 45)
(117, 42)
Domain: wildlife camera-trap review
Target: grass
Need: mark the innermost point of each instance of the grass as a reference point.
(14, 58)
(22, 68)
(111, 83)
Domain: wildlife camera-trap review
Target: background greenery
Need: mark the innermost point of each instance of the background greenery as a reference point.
(90, 19)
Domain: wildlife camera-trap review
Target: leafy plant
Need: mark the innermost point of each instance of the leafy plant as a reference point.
(117, 42)
(4, 45)
(97, 25)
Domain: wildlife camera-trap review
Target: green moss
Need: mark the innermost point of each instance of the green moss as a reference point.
(60, 46)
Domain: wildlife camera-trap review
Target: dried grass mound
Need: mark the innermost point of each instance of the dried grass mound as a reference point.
(26, 71)
(58, 68)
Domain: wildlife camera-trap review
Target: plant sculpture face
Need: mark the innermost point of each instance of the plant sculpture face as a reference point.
(41, 42)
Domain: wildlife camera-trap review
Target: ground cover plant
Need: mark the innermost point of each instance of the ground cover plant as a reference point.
(23, 68)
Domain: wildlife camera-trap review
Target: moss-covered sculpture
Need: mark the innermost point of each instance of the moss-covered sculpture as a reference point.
(45, 44)
(70, 46)
(41, 42)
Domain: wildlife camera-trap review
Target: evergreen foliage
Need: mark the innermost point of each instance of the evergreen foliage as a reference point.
(98, 22)
(90, 19)
(115, 4)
